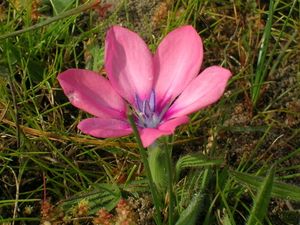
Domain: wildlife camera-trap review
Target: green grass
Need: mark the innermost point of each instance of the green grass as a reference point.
(222, 157)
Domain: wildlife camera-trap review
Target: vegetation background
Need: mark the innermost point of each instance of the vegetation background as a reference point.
(50, 172)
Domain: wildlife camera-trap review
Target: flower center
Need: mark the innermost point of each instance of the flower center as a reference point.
(146, 112)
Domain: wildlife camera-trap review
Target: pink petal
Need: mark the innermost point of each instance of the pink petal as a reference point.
(177, 61)
(149, 135)
(171, 124)
(104, 128)
(92, 93)
(204, 90)
(128, 63)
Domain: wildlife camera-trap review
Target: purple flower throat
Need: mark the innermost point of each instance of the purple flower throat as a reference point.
(147, 114)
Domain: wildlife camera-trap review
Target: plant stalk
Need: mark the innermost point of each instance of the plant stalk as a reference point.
(168, 157)
(144, 156)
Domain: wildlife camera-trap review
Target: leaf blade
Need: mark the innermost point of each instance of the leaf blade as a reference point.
(262, 200)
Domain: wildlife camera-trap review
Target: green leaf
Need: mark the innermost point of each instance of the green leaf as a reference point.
(260, 73)
(95, 56)
(226, 220)
(190, 214)
(60, 6)
(279, 190)
(101, 196)
(158, 167)
(196, 160)
(36, 70)
(290, 217)
(262, 200)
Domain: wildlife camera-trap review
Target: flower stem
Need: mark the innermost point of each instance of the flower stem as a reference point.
(157, 203)
(168, 153)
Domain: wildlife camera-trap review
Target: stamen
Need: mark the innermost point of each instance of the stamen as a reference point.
(139, 103)
(144, 106)
(152, 101)
(148, 112)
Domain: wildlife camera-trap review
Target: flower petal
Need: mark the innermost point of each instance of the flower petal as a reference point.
(149, 135)
(206, 89)
(177, 61)
(92, 93)
(104, 128)
(171, 124)
(128, 63)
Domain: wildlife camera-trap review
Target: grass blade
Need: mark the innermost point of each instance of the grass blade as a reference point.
(262, 199)
(260, 72)
(279, 190)
(71, 12)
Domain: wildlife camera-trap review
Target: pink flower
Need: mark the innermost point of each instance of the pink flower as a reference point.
(162, 89)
